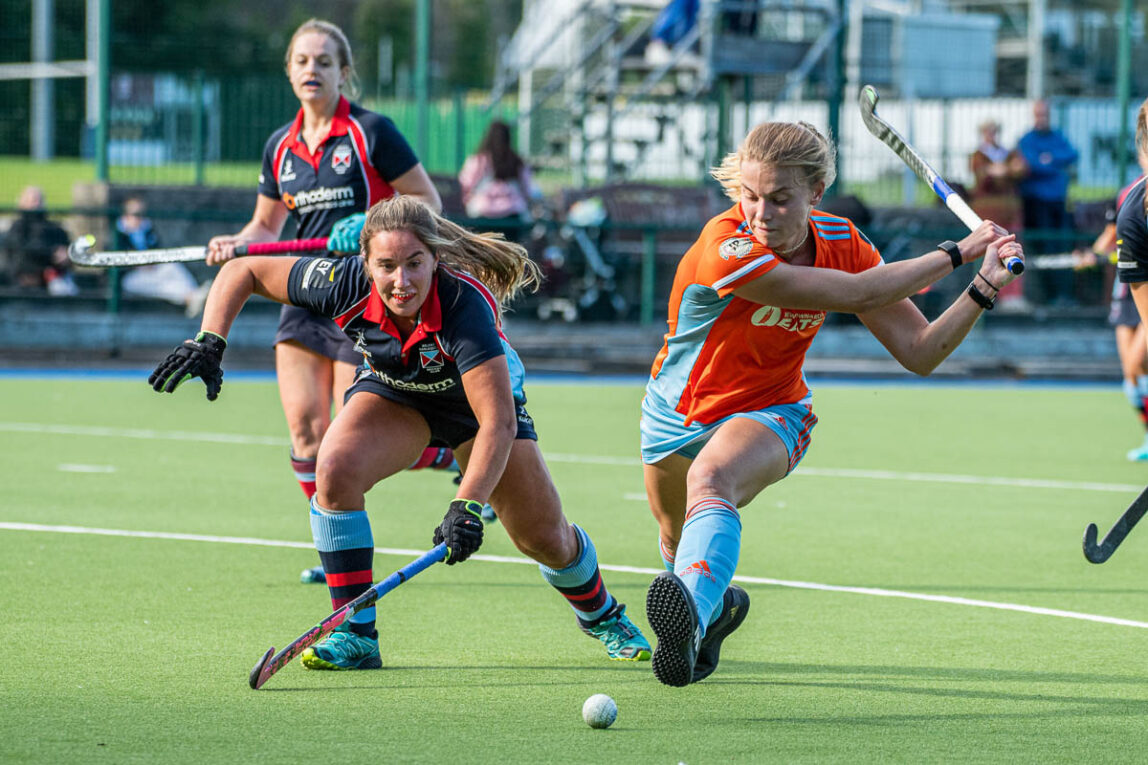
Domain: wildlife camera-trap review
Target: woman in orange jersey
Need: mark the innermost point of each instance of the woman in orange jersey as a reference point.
(727, 411)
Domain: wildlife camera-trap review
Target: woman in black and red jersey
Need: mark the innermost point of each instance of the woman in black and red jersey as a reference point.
(423, 304)
(324, 168)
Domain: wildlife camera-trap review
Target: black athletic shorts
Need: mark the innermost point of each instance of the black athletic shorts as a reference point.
(316, 333)
(448, 427)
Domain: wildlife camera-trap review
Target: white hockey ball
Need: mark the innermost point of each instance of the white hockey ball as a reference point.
(599, 711)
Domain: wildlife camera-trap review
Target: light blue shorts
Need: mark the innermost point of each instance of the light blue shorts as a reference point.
(664, 431)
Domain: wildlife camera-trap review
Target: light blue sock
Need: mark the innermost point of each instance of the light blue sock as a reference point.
(667, 556)
(707, 554)
(581, 582)
(346, 548)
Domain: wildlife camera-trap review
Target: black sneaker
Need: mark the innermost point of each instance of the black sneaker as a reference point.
(735, 605)
(673, 616)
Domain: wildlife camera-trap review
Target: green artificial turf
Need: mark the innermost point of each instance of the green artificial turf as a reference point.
(123, 649)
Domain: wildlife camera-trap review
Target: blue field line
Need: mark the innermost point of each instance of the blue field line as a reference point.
(556, 378)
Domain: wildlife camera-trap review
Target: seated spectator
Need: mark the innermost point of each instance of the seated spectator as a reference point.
(36, 248)
(497, 184)
(172, 282)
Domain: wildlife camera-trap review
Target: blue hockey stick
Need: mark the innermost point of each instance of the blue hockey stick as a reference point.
(269, 665)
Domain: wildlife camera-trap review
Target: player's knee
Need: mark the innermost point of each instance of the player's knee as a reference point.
(709, 479)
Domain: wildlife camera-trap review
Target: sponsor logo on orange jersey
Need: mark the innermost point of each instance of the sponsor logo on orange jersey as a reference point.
(786, 318)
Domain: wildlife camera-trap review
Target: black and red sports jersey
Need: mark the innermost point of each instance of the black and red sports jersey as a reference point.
(1132, 237)
(351, 170)
(458, 328)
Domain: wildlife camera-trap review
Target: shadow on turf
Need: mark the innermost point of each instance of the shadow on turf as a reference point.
(640, 674)
(764, 673)
(958, 591)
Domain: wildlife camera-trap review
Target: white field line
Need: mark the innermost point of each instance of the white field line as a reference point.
(586, 459)
(873, 591)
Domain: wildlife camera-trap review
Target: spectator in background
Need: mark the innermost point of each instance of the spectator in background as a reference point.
(497, 184)
(36, 248)
(672, 24)
(172, 282)
(1044, 199)
(996, 173)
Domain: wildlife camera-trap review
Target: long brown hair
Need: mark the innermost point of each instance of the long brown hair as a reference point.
(496, 145)
(780, 144)
(504, 267)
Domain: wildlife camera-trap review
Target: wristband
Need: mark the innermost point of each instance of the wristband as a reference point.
(204, 333)
(471, 506)
(986, 281)
(979, 297)
(954, 252)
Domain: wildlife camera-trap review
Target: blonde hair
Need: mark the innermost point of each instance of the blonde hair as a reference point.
(504, 267)
(350, 86)
(781, 144)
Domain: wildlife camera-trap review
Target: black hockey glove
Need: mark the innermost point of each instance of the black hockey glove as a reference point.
(461, 529)
(193, 358)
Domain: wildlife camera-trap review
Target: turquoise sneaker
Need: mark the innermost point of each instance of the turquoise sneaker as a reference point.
(622, 638)
(735, 605)
(1140, 453)
(313, 576)
(343, 649)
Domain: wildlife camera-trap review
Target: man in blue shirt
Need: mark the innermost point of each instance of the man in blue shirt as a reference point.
(1044, 196)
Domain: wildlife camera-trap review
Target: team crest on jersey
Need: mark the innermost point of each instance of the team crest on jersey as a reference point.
(737, 248)
(430, 357)
(288, 170)
(341, 158)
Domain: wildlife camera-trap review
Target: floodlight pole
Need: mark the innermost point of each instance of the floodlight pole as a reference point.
(1123, 88)
(103, 54)
(422, 78)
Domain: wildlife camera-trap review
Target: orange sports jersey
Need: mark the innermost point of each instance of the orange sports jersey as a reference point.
(724, 354)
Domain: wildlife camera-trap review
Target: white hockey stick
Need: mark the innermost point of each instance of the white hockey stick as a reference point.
(891, 138)
(80, 252)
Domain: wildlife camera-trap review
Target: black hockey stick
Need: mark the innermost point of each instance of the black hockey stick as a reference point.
(1098, 553)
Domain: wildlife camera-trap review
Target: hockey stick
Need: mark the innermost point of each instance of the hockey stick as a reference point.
(269, 665)
(1098, 553)
(1070, 260)
(885, 132)
(80, 252)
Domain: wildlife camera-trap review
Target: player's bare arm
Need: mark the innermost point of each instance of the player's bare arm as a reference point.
(830, 290)
(265, 226)
(919, 345)
(416, 183)
(488, 392)
(240, 279)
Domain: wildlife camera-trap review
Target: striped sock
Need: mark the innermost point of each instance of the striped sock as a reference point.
(435, 458)
(708, 553)
(581, 583)
(347, 549)
(667, 555)
(304, 471)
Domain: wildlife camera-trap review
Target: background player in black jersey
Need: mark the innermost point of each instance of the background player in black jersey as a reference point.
(423, 303)
(335, 159)
(1132, 238)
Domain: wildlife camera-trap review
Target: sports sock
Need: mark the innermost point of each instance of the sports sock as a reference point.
(707, 554)
(667, 556)
(581, 582)
(435, 458)
(304, 471)
(347, 549)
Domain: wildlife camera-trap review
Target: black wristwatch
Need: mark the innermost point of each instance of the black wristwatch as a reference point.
(954, 251)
